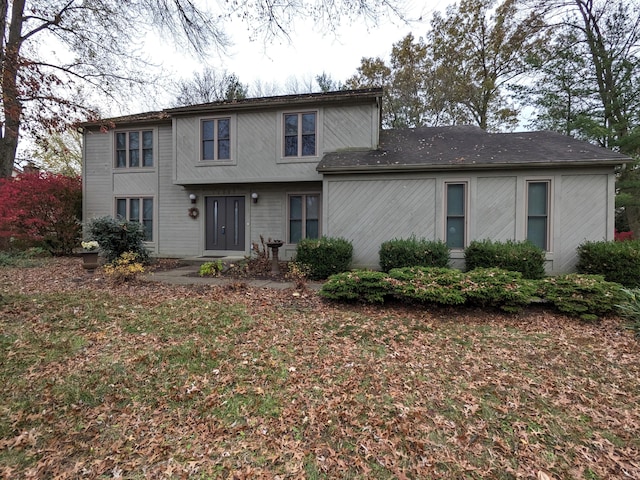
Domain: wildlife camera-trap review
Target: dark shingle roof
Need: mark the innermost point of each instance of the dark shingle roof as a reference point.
(443, 148)
(298, 99)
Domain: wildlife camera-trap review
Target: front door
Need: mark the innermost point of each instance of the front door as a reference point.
(224, 223)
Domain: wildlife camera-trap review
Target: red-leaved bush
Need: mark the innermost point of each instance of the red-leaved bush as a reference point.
(623, 236)
(41, 209)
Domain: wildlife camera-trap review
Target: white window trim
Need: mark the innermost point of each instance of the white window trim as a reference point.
(456, 181)
(280, 145)
(288, 218)
(114, 155)
(550, 195)
(154, 218)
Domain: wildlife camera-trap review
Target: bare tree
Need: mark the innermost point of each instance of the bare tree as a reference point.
(208, 86)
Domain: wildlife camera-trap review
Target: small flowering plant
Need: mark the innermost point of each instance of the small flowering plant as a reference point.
(90, 246)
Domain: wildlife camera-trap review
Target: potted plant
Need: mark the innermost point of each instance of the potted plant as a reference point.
(90, 255)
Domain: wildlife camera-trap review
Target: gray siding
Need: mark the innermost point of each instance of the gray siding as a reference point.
(495, 208)
(370, 209)
(582, 216)
(177, 234)
(257, 146)
(97, 182)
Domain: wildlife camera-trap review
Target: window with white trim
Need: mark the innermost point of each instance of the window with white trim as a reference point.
(304, 217)
(456, 218)
(300, 133)
(134, 149)
(137, 210)
(538, 213)
(216, 139)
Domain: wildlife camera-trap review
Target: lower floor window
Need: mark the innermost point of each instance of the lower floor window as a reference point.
(538, 213)
(137, 210)
(304, 217)
(455, 228)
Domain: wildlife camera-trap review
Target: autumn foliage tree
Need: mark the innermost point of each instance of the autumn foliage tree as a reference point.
(41, 209)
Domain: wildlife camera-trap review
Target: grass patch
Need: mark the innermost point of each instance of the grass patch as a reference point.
(217, 384)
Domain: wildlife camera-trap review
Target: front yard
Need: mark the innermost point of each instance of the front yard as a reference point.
(147, 380)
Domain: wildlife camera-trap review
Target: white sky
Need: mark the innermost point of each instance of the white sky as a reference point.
(310, 51)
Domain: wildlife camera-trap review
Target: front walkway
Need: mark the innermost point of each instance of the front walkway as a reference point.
(188, 275)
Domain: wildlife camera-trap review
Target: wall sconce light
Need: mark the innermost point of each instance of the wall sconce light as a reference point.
(254, 197)
(193, 198)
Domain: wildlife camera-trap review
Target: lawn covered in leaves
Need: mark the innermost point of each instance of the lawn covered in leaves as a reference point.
(147, 380)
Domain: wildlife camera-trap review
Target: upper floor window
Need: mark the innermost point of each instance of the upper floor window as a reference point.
(538, 213)
(134, 149)
(300, 134)
(304, 217)
(456, 200)
(216, 139)
(137, 210)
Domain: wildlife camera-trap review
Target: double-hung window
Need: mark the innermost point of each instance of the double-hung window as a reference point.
(216, 139)
(304, 217)
(137, 210)
(134, 149)
(456, 220)
(538, 213)
(300, 134)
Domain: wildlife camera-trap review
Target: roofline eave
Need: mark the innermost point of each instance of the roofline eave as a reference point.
(457, 167)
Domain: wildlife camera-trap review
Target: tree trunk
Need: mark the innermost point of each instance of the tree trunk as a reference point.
(11, 105)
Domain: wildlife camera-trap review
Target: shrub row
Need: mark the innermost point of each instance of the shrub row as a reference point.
(523, 257)
(413, 252)
(616, 261)
(327, 256)
(584, 296)
(324, 256)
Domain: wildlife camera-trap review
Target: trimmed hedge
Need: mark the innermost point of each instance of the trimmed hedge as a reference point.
(523, 257)
(615, 261)
(413, 252)
(584, 296)
(324, 256)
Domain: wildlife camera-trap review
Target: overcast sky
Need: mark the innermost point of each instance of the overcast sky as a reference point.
(310, 52)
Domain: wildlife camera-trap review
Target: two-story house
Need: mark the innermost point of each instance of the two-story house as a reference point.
(208, 180)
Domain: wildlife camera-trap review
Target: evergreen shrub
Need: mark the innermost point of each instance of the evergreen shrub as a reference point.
(615, 261)
(436, 285)
(495, 287)
(413, 252)
(586, 296)
(523, 257)
(362, 285)
(116, 237)
(324, 256)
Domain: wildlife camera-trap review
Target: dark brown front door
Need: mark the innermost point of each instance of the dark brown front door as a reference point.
(225, 223)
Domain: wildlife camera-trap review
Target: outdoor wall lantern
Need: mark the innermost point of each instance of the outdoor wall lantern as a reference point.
(193, 198)
(254, 197)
